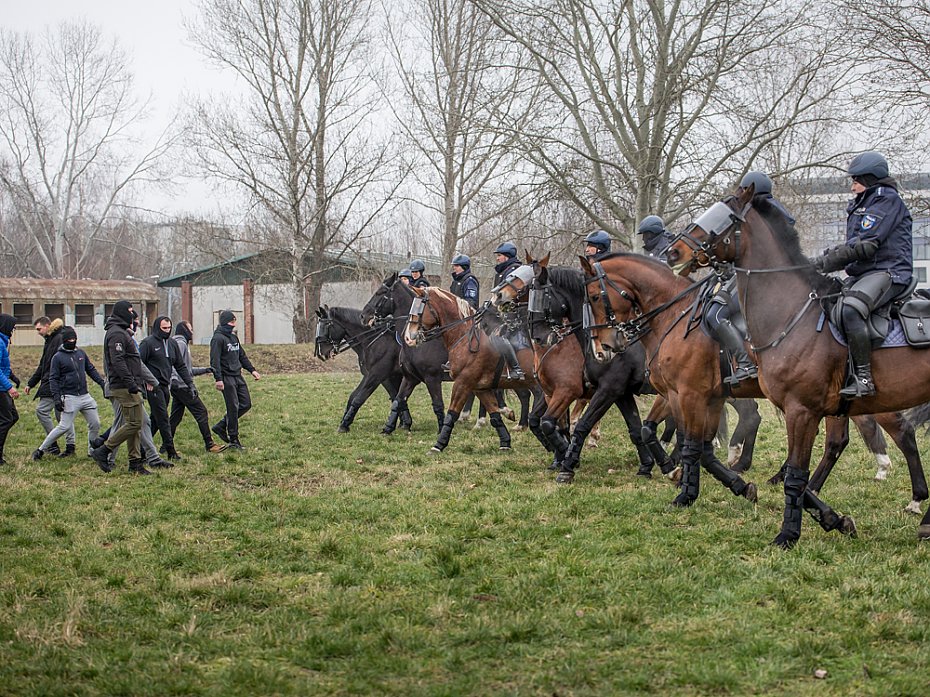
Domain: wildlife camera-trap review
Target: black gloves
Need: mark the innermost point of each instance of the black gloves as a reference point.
(134, 389)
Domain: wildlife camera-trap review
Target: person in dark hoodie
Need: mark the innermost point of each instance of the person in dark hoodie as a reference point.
(8, 392)
(183, 397)
(227, 359)
(123, 368)
(67, 380)
(160, 354)
(50, 330)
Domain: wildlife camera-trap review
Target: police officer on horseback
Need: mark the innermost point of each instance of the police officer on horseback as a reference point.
(596, 244)
(510, 331)
(464, 284)
(405, 276)
(417, 269)
(656, 238)
(877, 258)
(722, 314)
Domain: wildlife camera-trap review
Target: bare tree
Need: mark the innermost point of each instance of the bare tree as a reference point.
(69, 157)
(459, 78)
(300, 141)
(654, 105)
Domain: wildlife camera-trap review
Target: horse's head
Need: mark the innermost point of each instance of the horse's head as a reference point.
(381, 304)
(714, 237)
(550, 308)
(420, 318)
(610, 303)
(516, 286)
(329, 334)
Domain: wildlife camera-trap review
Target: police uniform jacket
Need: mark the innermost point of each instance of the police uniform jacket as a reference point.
(420, 282)
(504, 269)
(465, 286)
(654, 246)
(879, 214)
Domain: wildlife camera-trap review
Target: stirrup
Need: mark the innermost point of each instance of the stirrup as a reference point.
(445, 366)
(861, 386)
(742, 372)
(516, 373)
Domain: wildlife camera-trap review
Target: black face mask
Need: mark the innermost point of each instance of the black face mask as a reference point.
(70, 345)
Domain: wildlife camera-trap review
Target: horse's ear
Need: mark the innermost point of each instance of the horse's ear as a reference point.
(544, 262)
(529, 257)
(417, 291)
(319, 312)
(586, 265)
(326, 308)
(744, 194)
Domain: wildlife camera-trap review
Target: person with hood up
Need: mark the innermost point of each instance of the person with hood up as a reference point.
(8, 392)
(160, 354)
(67, 380)
(227, 359)
(184, 397)
(50, 330)
(123, 368)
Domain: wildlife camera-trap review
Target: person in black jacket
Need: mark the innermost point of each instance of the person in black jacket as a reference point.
(50, 330)
(227, 359)
(160, 354)
(123, 368)
(67, 381)
(185, 398)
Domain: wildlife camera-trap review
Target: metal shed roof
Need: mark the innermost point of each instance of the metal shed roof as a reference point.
(67, 289)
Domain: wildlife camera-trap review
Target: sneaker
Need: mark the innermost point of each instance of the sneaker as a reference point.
(37, 454)
(235, 444)
(221, 432)
(69, 451)
(95, 443)
(137, 467)
(215, 448)
(53, 449)
(101, 456)
(159, 462)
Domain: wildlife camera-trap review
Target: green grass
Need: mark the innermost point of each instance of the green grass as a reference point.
(323, 564)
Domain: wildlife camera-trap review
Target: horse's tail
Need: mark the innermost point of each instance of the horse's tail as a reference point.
(919, 416)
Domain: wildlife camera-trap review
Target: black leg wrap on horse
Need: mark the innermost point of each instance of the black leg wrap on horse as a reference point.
(497, 421)
(553, 435)
(723, 474)
(648, 435)
(536, 429)
(445, 433)
(391, 424)
(440, 417)
(795, 484)
(349, 416)
(406, 420)
(826, 517)
(690, 473)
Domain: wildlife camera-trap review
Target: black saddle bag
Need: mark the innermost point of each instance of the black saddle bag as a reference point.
(915, 320)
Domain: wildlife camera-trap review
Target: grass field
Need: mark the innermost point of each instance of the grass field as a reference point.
(320, 564)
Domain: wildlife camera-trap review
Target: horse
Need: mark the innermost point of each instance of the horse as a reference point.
(341, 328)
(474, 364)
(567, 371)
(801, 368)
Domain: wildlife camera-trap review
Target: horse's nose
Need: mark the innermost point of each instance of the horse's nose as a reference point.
(671, 256)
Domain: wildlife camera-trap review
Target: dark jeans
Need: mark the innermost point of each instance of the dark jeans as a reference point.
(158, 402)
(238, 402)
(8, 417)
(184, 398)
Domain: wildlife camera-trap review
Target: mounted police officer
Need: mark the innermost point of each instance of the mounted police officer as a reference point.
(505, 336)
(596, 244)
(656, 238)
(405, 276)
(877, 258)
(722, 315)
(417, 269)
(464, 284)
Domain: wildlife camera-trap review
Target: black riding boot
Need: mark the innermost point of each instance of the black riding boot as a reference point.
(730, 338)
(860, 351)
(514, 370)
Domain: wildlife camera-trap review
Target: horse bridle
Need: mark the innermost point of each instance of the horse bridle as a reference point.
(718, 222)
(322, 336)
(523, 273)
(604, 282)
(539, 307)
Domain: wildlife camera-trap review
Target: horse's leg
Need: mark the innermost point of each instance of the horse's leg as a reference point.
(434, 387)
(489, 401)
(835, 442)
(660, 409)
(540, 407)
(671, 429)
(875, 441)
(690, 472)
(902, 432)
(502, 405)
(358, 397)
(722, 428)
(460, 393)
(597, 406)
(523, 395)
(626, 403)
(730, 479)
(399, 405)
(745, 433)
(466, 410)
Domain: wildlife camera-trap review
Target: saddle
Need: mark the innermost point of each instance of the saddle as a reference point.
(910, 308)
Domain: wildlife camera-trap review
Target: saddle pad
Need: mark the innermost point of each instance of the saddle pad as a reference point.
(895, 338)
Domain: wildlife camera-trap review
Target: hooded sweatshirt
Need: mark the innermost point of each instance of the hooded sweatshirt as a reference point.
(162, 356)
(227, 357)
(183, 337)
(52, 344)
(7, 324)
(121, 360)
(70, 368)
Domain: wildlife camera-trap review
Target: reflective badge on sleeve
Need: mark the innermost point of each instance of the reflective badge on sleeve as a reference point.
(868, 222)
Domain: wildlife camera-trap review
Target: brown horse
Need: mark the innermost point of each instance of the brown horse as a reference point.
(801, 368)
(629, 286)
(474, 364)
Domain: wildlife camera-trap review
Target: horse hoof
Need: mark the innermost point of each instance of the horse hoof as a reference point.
(564, 477)
(465, 416)
(784, 541)
(848, 526)
(518, 428)
(682, 501)
(480, 423)
(881, 475)
(508, 414)
(674, 476)
(923, 532)
(913, 507)
(342, 429)
(751, 492)
(733, 455)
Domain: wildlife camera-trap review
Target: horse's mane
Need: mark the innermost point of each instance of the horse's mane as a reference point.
(790, 241)
(569, 279)
(347, 316)
(657, 263)
(465, 310)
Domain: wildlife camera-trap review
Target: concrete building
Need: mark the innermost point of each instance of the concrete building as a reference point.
(85, 305)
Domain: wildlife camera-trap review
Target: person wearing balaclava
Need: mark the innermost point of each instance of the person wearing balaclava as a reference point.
(123, 368)
(160, 355)
(8, 392)
(227, 359)
(67, 380)
(183, 397)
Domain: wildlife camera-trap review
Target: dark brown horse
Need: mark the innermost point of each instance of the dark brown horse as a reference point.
(474, 364)
(801, 368)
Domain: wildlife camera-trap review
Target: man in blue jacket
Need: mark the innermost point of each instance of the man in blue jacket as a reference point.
(8, 392)
(877, 258)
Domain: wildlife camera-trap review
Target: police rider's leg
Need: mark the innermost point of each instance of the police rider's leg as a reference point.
(859, 300)
(718, 321)
(510, 356)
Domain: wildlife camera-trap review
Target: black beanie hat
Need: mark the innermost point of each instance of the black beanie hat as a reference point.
(69, 336)
(123, 311)
(227, 316)
(184, 329)
(7, 324)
